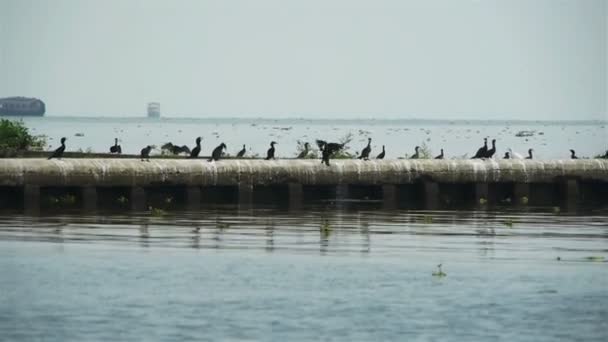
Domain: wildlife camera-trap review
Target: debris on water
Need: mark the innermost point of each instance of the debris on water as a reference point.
(79, 135)
(508, 223)
(595, 258)
(439, 272)
(521, 134)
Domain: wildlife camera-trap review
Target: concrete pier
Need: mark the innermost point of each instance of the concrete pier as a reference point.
(194, 181)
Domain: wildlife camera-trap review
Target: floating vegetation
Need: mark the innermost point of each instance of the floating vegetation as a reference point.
(483, 201)
(222, 225)
(597, 258)
(556, 209)
(439, 272)
(325, 228)
(521, 134)
(427, 219)
(508, 223)
(524, 200)
(122, 200)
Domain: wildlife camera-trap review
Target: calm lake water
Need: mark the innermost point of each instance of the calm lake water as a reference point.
(320, 274)
(550, 140)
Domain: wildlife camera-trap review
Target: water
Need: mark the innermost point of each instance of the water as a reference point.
(552, 140)
(320, 274)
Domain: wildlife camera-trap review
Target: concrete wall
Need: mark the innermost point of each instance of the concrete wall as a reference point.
(131, 173)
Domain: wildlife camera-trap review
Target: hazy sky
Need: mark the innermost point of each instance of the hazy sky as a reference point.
(520, 59)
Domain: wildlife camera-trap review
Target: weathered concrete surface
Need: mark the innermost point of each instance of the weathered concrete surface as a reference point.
(124, 172)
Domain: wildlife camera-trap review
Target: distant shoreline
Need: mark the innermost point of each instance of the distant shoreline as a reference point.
(265, 120)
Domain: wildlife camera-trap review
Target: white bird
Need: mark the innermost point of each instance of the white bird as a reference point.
(515, 155)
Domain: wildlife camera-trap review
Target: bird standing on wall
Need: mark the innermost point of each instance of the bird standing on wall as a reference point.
(490, 152)
(482, 151)
(416, 154)
(145, 153)
(367, 150)
(116, 148)
(507, 155)
(440, 156)
(530, 154)
(58, 153)
(197, 149)
(271, 150)
(217, 152)
(573, 154)
(304, 153)
(241, 152)
(382, 154)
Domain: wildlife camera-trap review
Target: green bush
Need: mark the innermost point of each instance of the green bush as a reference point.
(15, 136)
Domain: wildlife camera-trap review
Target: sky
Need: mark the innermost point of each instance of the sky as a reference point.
(434, 59)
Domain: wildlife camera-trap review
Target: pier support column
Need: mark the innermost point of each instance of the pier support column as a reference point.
(138, 198)
(389, 196)
(245, 195)
(295, 195)
(521, 192)
(193, 197)
(481, 193)
(31, 199)
(571, 193)
(89, 198)
(431, 194)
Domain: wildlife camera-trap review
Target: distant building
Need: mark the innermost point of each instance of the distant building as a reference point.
(21, 106)
(154, 110)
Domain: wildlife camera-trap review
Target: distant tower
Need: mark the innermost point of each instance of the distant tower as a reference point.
(154, 110)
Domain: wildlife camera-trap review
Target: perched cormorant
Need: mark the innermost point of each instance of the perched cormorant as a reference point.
(605, 156)
(195, 151)
(440, 156)
(328, 150)
(145, 153)
(270, 153)
(304, 153)
(507, 156)
(174, 149)
(241, 152)
(217, 152)
(530, 154)
(382, 154)
(366, 151)
(573, 154)
(417, 154)
(59, 151)
(490, 152)
(116, 148)
(482, 151)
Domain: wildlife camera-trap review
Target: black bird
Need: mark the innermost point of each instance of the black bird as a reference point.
(270, 153)
(145, 153)
(116, 148)
(196, 150)
(490, 152)
(59, 151)
(573, 154)
(507, 155)
(328, 150)
(605, 155)
(304, 153)
(382, 154)
(367, 150)
(481, 153)
(217, 152)
(175, 149)
(241, 152)
(416, 155)
(440, 156)
(530, 154)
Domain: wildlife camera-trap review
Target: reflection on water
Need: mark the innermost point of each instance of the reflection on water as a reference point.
(266, 274)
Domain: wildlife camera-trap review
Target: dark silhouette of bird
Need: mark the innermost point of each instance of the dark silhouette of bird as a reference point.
(382, 154)
(197, 149)
(270, 152)
(217, 152)
(416, 155)
(490, 152)
(241, 152)
(530, 154)
(440, 156)
(116, 148)
(304, 153)
(366, 150)
(328, 150)
(507, 155)
(58, 153)
(175, 150)
(482, 151)
(145, 153)
(573, 154)
(605, 156)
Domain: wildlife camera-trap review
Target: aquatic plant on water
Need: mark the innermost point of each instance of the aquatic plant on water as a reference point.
(508, 223)
(439, 272)
(14, 136)
(157, 212)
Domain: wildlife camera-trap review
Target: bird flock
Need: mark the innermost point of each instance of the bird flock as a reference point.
(327, 149)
